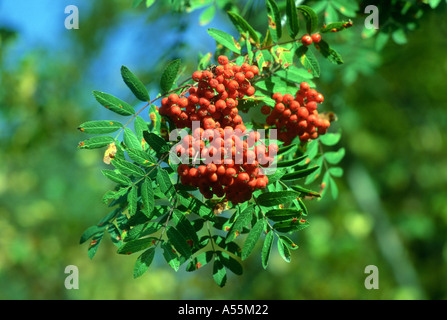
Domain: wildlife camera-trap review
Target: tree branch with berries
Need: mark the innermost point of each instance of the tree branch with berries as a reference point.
(226, 155)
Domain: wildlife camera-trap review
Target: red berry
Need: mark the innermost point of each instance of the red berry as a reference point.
(197, 76)
(316, 38)
(265, 110)
(304, 86)
(243, 177)
(287, 99)
(223, 60)
(277, 97)
(306, 40)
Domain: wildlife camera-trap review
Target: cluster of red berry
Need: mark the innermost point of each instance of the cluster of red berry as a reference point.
(214, 100)
(230, 162)
(219, 157)
(297, 116)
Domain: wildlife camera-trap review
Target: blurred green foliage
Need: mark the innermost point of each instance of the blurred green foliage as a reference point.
(391, 211)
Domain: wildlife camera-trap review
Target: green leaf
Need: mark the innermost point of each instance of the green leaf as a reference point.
(243, 26)
(283, 214)
(276, 84)
(116, 177)
(90, 232)
(305, 191)
(135, 85)
(113, 103)
(137, 245)
(147, 197)
(100, 127)
(339, 26)
(136, 3)
(114, 195)
(296, 75)
(185, 228)
(149, 3)
(191, 204)
(229, 262)
(284, 55)
(274, 17)
(288, 242)
(207, 15)
(141, 157)
(313, 176)
(128, 168)
(225, 39)
(283, 250)
(242, 220)
(330, 139)
(201, 260)
(299, 174)
(266, 249)
(303, 206)
(312, 149)
(330, 15)
(399, 36)
(219, 273)
(434, 3)
(293, 26)
(290, 163)
(96, 142)
(271, 199)
(130, 140)
(169, 75)
(179, 242)
(347, 8)
(308, 60)
(252, 238)
(164, 182)
(132, 199)
(140, 126)
(291, 225)
(311, 18)
(334, 157)
(329, 53)
(286, 150)
(336, 172)
(94, 245)
(171, 258)
(142, 230)
(334, 188)
(156, 142)
(143, 262)
(115, 235)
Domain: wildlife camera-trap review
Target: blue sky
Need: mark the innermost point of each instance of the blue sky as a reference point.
(133, 41)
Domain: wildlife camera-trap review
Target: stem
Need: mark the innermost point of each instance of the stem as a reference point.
(171, 211)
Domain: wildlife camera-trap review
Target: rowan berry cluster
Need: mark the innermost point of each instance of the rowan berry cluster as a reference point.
(231, 162)
(214, 100)
(297, 116)
(219, 157)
